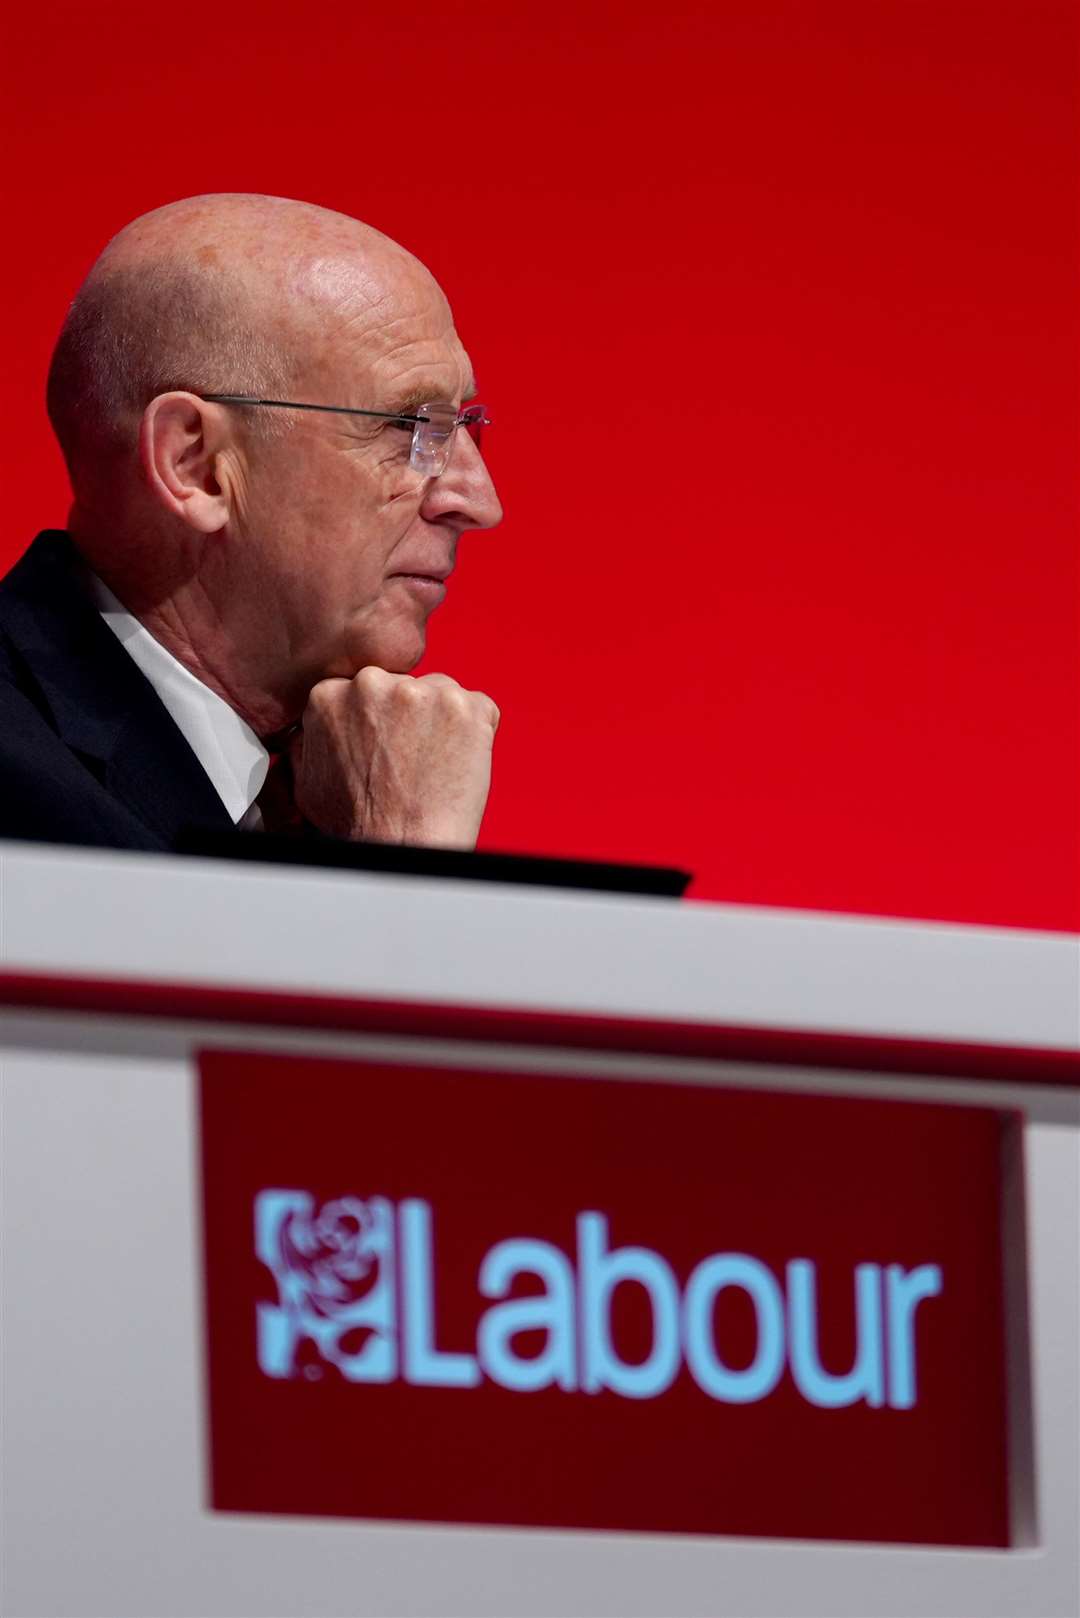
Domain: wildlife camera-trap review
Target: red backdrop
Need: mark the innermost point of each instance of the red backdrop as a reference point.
(775, 301)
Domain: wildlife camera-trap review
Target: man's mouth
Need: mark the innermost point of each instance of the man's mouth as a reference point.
(430, 585)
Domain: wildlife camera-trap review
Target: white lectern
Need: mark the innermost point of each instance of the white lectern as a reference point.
(381, 1245)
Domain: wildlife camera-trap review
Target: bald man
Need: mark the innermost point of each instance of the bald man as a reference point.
(265, 413)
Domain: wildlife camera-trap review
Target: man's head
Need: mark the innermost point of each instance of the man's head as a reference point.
(269, 548)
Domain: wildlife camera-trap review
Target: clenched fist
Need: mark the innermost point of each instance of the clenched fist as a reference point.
(390, 758)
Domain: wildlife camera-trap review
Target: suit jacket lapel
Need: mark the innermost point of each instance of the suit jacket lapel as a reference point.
(100, 703)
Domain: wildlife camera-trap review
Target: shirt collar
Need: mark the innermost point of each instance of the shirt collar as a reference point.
(225, 745)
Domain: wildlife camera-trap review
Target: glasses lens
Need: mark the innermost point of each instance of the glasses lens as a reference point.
(432, 439)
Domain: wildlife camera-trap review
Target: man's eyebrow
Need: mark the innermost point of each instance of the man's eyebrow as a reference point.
(409, 403)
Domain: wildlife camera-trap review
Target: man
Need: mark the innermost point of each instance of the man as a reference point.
(246, 584)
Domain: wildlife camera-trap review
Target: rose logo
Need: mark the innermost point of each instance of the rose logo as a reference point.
(334, 1257)
(334, 1275)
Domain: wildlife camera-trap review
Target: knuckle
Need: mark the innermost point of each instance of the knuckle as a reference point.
(485, 709)
(370, 678)
(438, 682)
(324, 697)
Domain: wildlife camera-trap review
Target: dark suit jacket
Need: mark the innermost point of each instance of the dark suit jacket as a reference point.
(88, 753)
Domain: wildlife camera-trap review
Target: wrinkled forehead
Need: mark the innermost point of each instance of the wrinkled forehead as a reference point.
(385, 331)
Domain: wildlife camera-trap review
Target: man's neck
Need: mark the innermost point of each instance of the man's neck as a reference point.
(181, 614)
(187, 626)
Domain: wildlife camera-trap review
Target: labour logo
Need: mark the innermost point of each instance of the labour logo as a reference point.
(357, 1281)
(334, 1271)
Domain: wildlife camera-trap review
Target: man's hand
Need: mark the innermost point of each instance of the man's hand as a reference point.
(395, 759)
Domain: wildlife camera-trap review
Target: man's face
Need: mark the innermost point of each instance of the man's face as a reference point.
(346, 547)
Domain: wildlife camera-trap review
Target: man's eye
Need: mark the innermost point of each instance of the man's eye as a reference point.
(399, 435)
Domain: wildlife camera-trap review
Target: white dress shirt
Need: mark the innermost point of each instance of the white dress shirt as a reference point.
(225, 745)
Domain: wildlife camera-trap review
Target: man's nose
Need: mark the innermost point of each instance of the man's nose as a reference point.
(465, 491)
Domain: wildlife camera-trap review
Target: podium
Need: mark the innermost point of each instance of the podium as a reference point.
(376, 1244)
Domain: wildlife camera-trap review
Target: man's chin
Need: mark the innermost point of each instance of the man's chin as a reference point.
(398, 654)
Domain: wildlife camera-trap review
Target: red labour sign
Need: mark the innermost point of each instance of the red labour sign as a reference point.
(461, 1296)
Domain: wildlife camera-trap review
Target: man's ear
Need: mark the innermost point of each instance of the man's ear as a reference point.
(181, 438)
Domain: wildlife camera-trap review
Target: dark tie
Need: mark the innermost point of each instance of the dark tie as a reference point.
(281, 817)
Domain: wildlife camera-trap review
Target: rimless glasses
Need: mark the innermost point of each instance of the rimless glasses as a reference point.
(433, 425)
